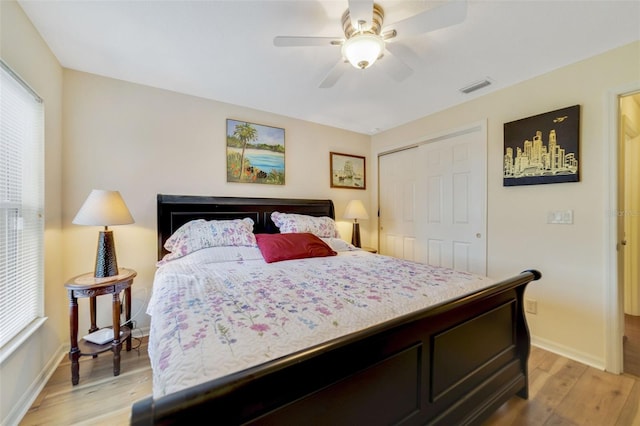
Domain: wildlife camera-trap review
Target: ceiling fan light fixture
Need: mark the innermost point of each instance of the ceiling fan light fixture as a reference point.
(362, 50)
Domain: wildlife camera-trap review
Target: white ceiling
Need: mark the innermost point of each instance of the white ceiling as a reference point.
(223, 50)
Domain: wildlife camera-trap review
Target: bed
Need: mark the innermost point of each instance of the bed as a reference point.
(454, 361)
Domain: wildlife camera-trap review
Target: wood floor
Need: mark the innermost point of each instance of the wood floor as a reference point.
(99, 398)
(566, 392)
(561, 392)
(632, 345)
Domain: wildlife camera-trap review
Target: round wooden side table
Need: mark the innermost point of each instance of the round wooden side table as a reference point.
(86, 285)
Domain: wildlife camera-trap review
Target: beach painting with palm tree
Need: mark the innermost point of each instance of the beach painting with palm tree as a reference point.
(255, 153)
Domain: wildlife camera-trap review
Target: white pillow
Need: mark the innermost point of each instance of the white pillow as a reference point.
(199, 234)
(338, 244)
(216, 255)
(288, 223)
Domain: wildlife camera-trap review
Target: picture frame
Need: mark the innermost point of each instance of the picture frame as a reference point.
(259, 148)
(347, 171)
(543, 148)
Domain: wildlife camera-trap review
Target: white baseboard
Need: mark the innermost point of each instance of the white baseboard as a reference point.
(140, 332)
(568, 352)
(25, 402)
(27, 399)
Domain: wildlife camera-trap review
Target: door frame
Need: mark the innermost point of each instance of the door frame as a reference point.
(614, 303)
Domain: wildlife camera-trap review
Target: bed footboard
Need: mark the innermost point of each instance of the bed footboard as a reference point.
(453, 363)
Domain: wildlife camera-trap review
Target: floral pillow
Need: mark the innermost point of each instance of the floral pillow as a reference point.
(290, 223)
(199, 234)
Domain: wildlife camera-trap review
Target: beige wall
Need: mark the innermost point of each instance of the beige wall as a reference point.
(571, 299)
(143, 141)
(26, 53)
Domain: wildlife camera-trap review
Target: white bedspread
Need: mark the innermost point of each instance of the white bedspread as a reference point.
(211, 318)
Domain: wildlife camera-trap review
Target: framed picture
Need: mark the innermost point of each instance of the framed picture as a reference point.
(347, 171)
(255, 153)
(542, 148)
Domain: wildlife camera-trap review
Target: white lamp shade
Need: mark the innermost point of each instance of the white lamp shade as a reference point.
(103, 208)
(355, 210)
(362, 50)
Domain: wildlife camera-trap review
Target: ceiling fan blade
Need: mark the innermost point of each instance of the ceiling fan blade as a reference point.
(334, 74)
(404, 53)
(394, 66)
(292, 41)
(450, 13)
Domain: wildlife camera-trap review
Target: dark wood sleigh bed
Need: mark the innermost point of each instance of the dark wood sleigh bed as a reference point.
(453, 363)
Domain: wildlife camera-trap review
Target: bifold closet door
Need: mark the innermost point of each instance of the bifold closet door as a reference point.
(433, 202)
(398, 181)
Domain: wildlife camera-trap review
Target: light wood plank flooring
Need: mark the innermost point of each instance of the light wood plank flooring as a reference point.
(561, 392)
(566, 392)
(632, 344)
(99, 398)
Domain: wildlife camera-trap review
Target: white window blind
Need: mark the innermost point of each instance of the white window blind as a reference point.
(21, 206)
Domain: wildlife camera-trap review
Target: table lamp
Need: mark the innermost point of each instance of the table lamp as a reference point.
(104, 208)
(355, 210)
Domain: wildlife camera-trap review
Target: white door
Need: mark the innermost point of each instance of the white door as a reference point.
(454, 201)
(439, 189)
(397, 204)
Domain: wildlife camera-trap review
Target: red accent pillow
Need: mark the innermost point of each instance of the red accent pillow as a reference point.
(277, 247)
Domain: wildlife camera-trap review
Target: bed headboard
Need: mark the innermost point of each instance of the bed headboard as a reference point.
(176, 210)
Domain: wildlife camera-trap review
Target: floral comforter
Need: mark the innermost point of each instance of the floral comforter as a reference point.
(210, 318)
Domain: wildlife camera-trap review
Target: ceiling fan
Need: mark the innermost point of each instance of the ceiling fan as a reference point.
(366, 39)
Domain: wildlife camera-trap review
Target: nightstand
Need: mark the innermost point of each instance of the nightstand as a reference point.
(87, 285)
(369, 249)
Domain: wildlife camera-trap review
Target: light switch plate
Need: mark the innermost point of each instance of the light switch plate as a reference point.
(563, 217)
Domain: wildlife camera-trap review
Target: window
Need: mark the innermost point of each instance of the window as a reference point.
(21, 208)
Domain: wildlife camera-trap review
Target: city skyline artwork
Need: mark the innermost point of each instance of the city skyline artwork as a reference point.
(543, 148)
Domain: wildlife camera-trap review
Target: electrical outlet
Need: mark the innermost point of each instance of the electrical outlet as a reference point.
(531, 306)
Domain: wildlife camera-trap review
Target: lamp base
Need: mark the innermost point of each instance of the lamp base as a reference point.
(106, 262)
(355, 235)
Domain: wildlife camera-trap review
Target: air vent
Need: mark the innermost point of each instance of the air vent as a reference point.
(475, 86)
